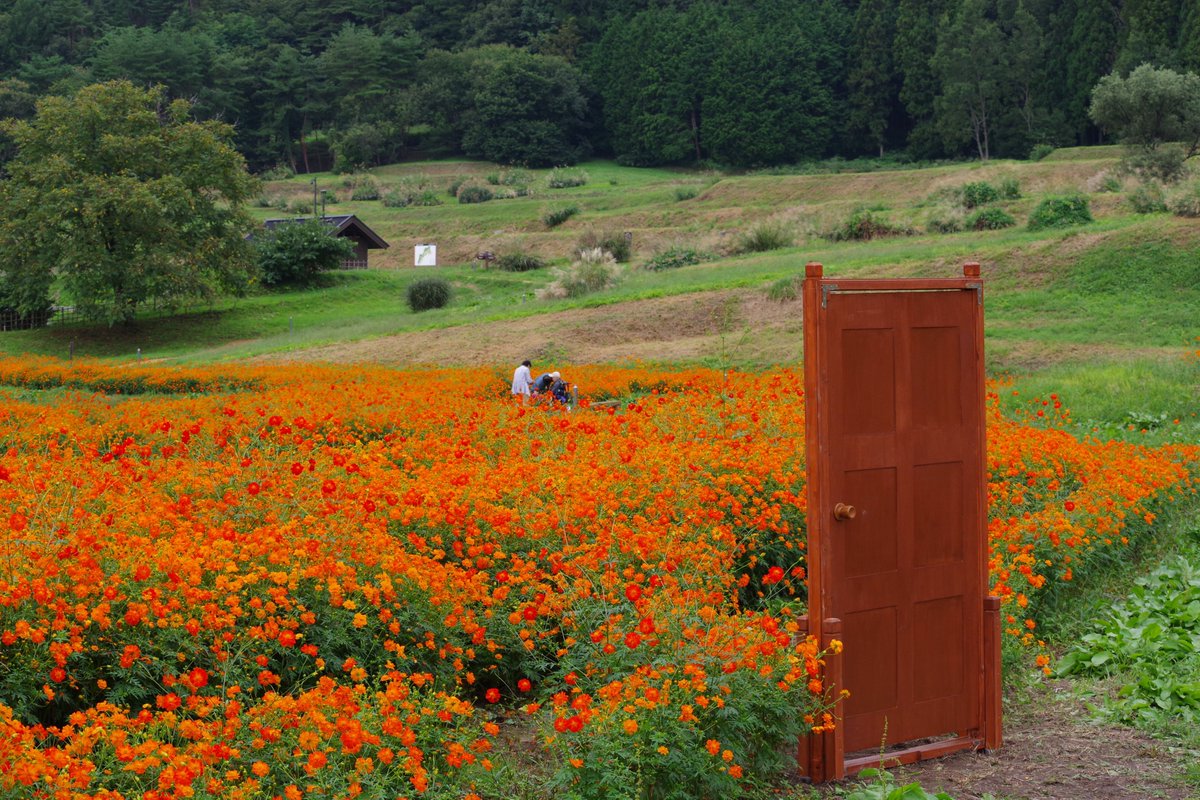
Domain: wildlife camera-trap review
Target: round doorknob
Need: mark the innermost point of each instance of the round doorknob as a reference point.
(843, 511)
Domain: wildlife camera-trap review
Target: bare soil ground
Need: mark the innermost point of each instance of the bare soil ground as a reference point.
(730, 326)
(1053, 750)
(739, 326)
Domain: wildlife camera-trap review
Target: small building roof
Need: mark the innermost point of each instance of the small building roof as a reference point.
(341, 224)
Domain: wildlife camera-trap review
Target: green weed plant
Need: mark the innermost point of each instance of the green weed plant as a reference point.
(1151, 643)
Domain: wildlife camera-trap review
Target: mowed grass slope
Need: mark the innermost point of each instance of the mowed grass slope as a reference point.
(1117, 297)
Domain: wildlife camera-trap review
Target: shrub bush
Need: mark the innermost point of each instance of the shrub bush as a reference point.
(557, 216)
(594, 269)
(428, 293)
(979, 193)
(365, 190)
(765, 236)
(515, 177)
(615, 243)
(1060, 212)
(472, 193)
(1165, 164)
(864, 225)
(685, 192)
(1148, 198)
(454, 186)
(946, 219)
(400, 198)
(990, 219)
(674, 257)
(279, 172)
(1186, 203)
(518, 262)
(397, 199)
(566, 178)
(783, 290)
(294, 253)
(1040, 151)
(1010, 189)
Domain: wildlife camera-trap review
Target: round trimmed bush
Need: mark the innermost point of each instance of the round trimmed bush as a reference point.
(990, 219)
(1060, 212)
(519, 262)
(474, 194)
(428, 293)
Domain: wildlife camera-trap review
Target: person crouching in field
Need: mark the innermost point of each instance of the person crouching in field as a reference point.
(559, 389)
(522, 382)
(544, 382)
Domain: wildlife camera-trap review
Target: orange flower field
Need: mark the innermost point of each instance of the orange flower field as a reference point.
(319, 582)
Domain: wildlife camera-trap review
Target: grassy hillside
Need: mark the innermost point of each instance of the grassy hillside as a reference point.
(1113, 301)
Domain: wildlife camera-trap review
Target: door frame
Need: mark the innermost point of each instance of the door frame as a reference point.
(822, 756)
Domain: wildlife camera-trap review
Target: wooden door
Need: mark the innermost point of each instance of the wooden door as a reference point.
(897, 517)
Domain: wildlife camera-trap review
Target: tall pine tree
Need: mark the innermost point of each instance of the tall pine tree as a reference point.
(872, 81)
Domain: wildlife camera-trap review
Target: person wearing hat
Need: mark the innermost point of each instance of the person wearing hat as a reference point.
(559, 389)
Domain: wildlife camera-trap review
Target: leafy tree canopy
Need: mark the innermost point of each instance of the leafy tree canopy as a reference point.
(116, 197)
(1150, 108)
(295, 253)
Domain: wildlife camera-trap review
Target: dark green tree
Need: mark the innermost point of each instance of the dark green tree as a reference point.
(508, 105)
(119, 197)
(1150, 33)
(920, 84)
(1082, 48)
(30, 28)
(1189, 38)
(654, 72)
(1024, 117)
(359, 68)
(179, 60)
(770, 102)
(970, 61)
(872, 81)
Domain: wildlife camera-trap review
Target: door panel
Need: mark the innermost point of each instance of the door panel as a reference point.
(905, 450)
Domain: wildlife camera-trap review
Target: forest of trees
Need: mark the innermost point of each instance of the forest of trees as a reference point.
(317, 83)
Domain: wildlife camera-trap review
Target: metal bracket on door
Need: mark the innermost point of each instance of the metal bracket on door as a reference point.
(825, 290)
(978, 287)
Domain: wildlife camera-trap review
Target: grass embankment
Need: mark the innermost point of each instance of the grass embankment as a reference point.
(1100, 313)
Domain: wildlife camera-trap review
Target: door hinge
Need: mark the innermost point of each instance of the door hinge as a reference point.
(826, 288)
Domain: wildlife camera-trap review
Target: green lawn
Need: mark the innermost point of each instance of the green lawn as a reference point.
(1104, 310)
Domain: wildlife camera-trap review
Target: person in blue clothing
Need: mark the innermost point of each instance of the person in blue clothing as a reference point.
(544, 381)
(560, 390)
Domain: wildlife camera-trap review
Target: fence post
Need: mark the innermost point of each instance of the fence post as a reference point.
(71, 351)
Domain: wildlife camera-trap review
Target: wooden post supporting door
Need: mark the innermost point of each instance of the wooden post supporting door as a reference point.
(897, 517)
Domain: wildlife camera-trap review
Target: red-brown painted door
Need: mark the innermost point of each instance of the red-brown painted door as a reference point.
(902, 560)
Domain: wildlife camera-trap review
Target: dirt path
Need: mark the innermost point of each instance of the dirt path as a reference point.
(1054, 751)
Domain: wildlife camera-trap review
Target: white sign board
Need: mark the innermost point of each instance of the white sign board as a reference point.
(425, 255)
